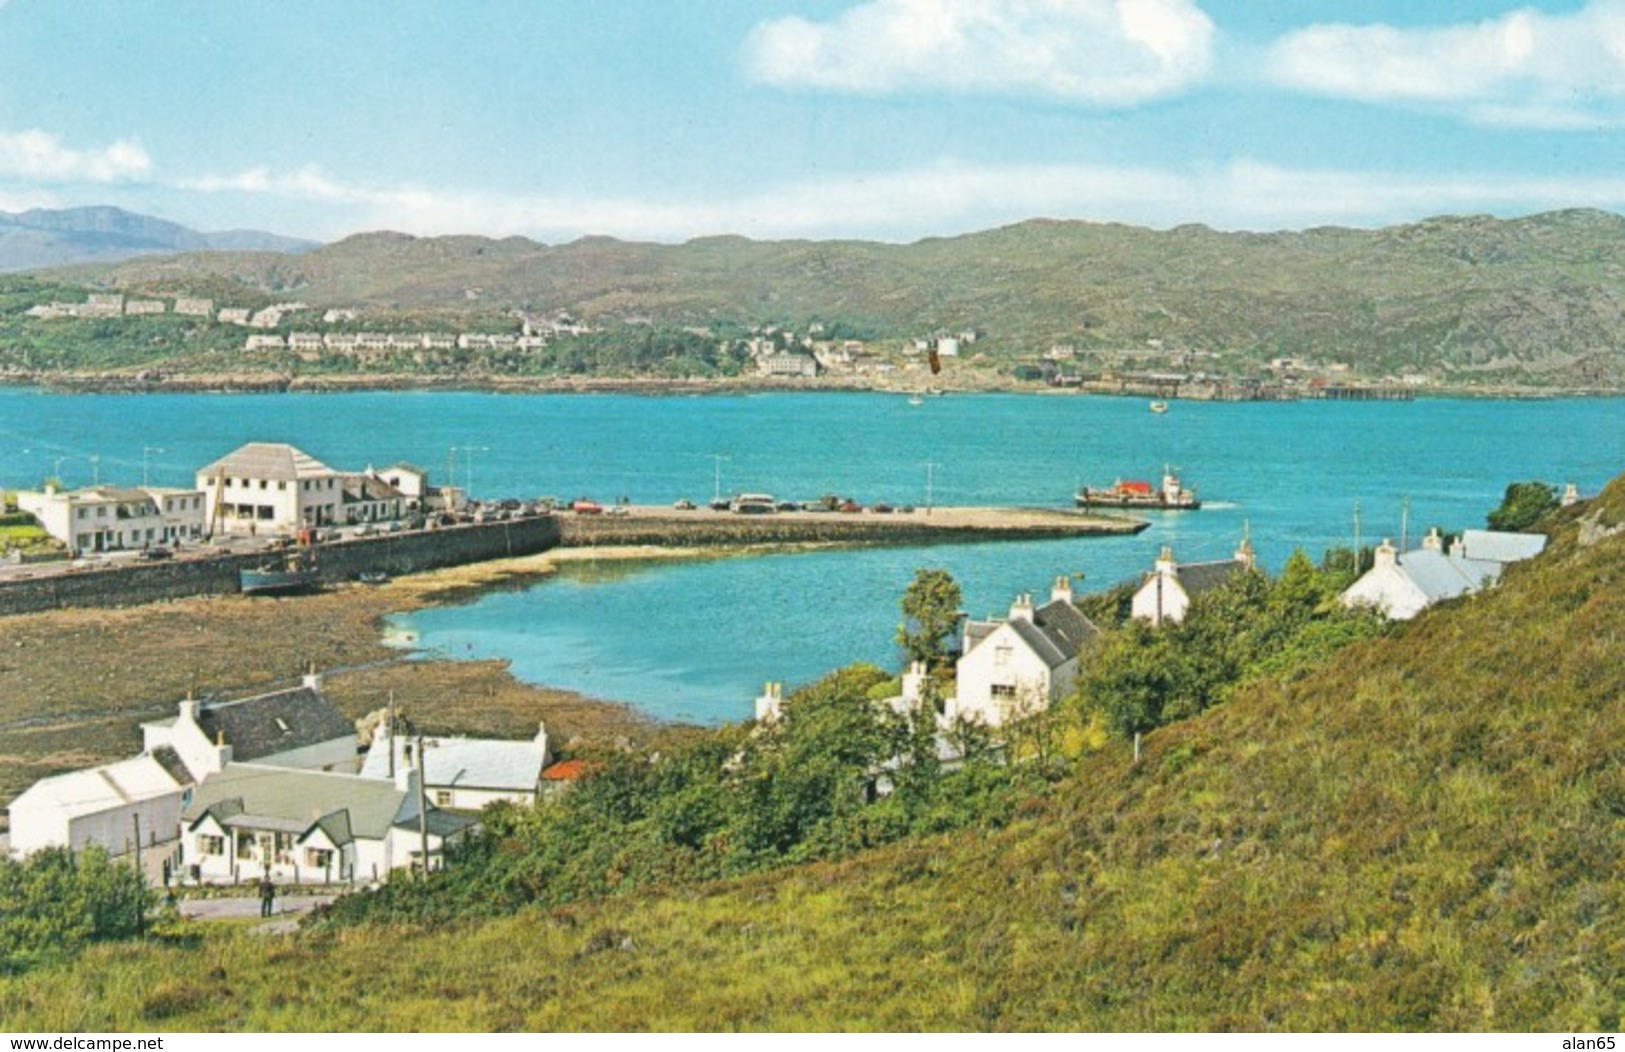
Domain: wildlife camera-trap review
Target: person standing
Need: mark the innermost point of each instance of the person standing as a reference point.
(267, 895)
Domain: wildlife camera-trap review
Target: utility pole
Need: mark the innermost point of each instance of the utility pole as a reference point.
(929, 468)
(141, 907)
(1356, 538)
(1404, 524)
(716, 476)
(144, 451)
(392, 733)
(423, 808)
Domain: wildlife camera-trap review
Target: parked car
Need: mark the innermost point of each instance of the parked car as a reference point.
(586, 507)
(789, 505)
(619, 510)
(880, 507)
(850, 507)
(157, 552)
(683, 505)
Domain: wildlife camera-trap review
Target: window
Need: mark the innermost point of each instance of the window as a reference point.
(245, 847)
(1001, 654)
(1003, 690)
(284, 848)
(211, 845)
(281, 487)
(442, 797)
(84, 513)
(318, 858)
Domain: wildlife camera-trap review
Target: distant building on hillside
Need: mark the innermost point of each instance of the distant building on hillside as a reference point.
(1170, 587)
(1401, 585)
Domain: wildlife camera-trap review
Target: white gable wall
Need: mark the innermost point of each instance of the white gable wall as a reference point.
(1001, 675)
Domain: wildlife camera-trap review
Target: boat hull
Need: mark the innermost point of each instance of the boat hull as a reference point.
(276, 582)
(1109, 500)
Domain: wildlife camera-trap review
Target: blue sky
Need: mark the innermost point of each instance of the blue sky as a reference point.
(878, 119)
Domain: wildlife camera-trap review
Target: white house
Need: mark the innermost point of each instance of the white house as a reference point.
(1401, 585)
(297, 728)
(270, 487)
(110, 806)
(308, 827)
(1170, 586)
(109, 518)
(1022, 664)
(463, 774)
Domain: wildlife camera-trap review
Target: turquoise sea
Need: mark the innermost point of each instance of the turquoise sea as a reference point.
(695, 641)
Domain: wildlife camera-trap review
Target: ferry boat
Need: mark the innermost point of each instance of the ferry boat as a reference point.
(1132, 493)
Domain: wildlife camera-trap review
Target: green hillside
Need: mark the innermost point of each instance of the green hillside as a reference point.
(1425, 833)
(1534, 301)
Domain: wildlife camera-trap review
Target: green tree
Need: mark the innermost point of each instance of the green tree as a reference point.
(931, 612)
(1523, 505)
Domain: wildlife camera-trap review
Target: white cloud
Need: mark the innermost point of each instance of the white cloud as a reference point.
(1525, 68)
(943, 198)
(1093, 52)
(40, 156)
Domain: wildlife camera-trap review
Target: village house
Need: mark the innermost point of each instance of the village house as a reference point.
(462, 774)
(269, 487)
(297, 728)
(788, 363)
(192, 307)
(1022, 664)
(1170, 587)
(111, 518)
(114, 806)
(1401, 585)
(309, 827)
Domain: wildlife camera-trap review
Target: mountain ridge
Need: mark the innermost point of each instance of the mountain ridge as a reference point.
(45, 237)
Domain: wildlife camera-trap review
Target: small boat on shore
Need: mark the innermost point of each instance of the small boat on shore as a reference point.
(1132, 493)
(295, 573)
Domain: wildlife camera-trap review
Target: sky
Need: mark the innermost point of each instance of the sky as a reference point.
(890, 120)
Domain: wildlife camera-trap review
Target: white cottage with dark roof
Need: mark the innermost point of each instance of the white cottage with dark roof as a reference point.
(1020, 665)
(1401, 585)
(1169, 588)
(309, 827)
(297, 728)
(463, 774)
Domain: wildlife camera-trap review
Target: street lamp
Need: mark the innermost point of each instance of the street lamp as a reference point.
(468, 479)
(144, 451)
(95, 466)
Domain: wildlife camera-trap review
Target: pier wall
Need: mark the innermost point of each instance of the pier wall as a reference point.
(580, 531)
(131, 584)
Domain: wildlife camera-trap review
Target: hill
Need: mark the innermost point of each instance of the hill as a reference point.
(1536, 300)
(52, 238)
(1423, 834)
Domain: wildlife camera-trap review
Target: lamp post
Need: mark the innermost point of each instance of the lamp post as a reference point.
(468, 475)
(716, 476)
(95, 466)
(929, 469)
(144, 451)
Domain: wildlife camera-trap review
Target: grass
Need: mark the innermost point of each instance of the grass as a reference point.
(1423, 835)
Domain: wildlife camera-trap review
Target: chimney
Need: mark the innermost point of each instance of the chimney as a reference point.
(768, 706)
(312, 680)
(1245, 554)
(541, 742)
(188, 708)
(407, 772)
(1165, 562)
(1385, 555)
(1571, 495)
(1061, 590)
(1022, 608)
(1433, 542)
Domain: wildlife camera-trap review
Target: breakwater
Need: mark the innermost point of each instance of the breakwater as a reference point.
(701, 528)
(131, 584)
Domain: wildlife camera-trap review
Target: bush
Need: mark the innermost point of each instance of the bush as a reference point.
(56, 902)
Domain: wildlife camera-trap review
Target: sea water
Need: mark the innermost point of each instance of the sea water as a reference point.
(695, 640)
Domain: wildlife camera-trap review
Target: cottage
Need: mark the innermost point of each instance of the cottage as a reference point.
(463, 774)
(296, 728)
(115, 806)
(1400, 586)
(368, 498)
(1170, 587)
(1022, 664)
(309, 827)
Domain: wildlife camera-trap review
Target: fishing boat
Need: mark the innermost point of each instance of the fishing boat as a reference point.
(296, 572)
(1132, 493)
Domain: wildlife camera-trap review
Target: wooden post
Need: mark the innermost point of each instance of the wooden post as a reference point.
(1136, 748)
(141, 909)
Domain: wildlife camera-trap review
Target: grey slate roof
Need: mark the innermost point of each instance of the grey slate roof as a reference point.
(293, 801)
(1440, 576)
(273, 723)
(1056, 633)
(268, 460)
(173, 765)
(357, 488)
(1197, 578)
(1500, 547)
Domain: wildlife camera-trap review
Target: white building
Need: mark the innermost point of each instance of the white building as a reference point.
(109, 806)
(1170, 586)
(270, 487)
(109, 518)
(1400, 586)
(463, 774)
(1021, 665)
(296, 728)
(308, 827)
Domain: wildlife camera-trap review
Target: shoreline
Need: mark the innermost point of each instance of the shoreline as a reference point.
(157, 382)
